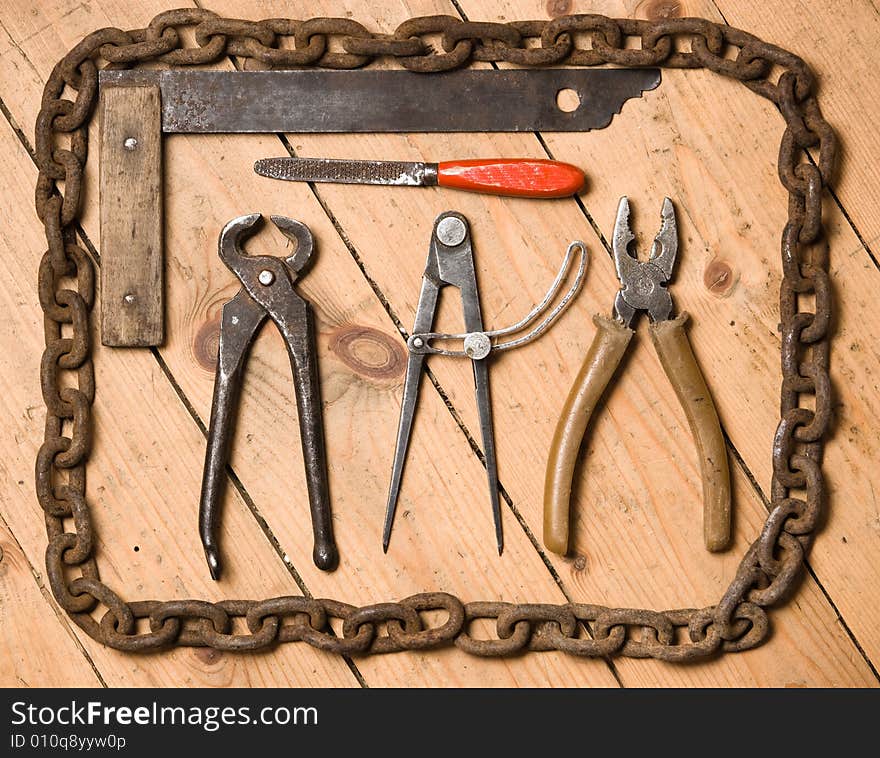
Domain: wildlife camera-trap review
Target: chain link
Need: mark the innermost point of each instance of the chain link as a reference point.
(770, 568)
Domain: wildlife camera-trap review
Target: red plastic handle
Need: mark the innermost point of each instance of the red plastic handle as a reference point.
(517, 177)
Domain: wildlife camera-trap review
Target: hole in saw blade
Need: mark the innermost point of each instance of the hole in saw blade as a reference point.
(567, 100)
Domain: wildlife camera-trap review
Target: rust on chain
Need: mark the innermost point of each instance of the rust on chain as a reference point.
(771, 567)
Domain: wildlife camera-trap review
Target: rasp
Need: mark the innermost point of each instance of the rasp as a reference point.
(387, 101)
(520, 177)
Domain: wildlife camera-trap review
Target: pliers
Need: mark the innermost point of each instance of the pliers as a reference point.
(643, 288)
(267, 291)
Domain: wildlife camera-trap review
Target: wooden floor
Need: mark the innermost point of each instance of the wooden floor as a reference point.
(709, 144)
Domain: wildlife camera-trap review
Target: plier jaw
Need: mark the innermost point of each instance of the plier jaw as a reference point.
(267, 279)
(643, 283)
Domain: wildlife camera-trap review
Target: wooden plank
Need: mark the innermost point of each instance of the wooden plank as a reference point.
(354, 322)
(838, 39)
(517, 253)
(718, 162)
(139, 476)
(38, 649)
(361, 360)
(616, 568)
(132, 282)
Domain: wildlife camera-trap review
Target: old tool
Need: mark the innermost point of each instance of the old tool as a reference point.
(267, 291)
(512, 100)
(643, 288)
(137, 103)
(517, 177)
(451, 263)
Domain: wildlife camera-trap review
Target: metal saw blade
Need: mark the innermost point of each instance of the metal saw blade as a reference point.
(387, 101)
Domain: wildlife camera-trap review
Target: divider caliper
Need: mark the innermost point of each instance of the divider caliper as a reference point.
(451, 263)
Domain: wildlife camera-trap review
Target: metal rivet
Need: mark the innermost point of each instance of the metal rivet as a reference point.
(128, 299)
(418, 342)
(266, 277)
(477, 346)
(451, 231)
(130, 143)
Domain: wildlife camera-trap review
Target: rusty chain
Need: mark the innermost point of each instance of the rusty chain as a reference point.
(771, 566)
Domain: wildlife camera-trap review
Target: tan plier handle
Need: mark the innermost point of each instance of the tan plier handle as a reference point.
(678, 361)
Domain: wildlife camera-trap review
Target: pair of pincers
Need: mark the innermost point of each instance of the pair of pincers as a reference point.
(267, 293)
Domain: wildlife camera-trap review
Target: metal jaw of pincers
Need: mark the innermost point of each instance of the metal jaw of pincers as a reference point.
(267, 292)
(642, 288)
(451, 263)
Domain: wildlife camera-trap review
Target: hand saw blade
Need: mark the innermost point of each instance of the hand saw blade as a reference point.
(387, 101)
